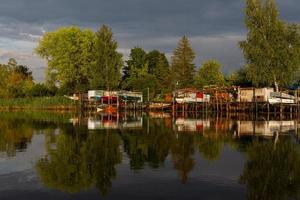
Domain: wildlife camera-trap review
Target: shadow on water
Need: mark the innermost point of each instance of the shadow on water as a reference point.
(84, 152)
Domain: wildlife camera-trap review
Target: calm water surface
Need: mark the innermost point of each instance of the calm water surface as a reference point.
(147, 156)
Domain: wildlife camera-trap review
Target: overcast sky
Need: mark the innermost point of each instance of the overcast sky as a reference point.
(213, 26)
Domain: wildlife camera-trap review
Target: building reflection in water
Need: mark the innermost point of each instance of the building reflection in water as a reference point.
(115, 121)
(237, 127)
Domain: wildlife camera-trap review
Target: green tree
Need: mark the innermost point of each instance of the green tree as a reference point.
(17, 80)
(158, 66)
(209, 74)
(136, 74)
(69, 52)
(153, 58)
(272, 47)
(4, 73)
(182, 66)
(40, 90)
(140, 80)
(239, 78)
(137, 59)
(107, 72)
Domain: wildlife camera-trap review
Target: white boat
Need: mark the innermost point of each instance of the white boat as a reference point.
(179, 100)
(280, 100)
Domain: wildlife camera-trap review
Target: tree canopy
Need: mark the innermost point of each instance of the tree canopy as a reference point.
(69, 52)
(209, 74)
(272, 47)
(147, 70)
(15, 80)
(106, 74)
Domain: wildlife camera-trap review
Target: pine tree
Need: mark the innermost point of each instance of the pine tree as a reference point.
(183, 67)
(106, 74)
(162, 74)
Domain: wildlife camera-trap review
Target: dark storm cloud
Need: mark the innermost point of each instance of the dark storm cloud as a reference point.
(148, 17)
(214, 26)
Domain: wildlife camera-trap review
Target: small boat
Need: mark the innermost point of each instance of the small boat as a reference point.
(276, 100)
(106, 109)
(278, 97)
(101, 108)
(110, 109)
(160, 105)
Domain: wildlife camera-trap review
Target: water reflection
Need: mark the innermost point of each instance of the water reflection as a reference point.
(80, 160)
(272, 171)
(86, 153)
(115, 121)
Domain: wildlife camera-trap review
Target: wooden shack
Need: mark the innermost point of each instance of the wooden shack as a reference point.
(191, 95)
(254, 94)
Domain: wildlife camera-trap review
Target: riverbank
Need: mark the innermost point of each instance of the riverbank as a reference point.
(56, 103)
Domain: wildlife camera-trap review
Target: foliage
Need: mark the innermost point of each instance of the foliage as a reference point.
(140, 80)
(158, 66)
(209, 74)
(40, 90)
(16, 80)
(70, 55)
(106, 74)
(182, 66)
(38, 103)
(137, 59)
(272, 47)
(136, 74)
(239, 78)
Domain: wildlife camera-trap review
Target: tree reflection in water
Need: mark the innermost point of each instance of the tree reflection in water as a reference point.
(18, 128)
(150, 145)
(182, 154)
(81, 160)
(272, 172)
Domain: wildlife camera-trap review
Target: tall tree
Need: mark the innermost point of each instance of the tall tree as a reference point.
(147, 70)
(140, 80)
(272, 48)
(209, 74)
(158, 66)
(183, 66)
(162, 73)
(137, 59)
(107, 72)
(69, 52)
(153, 58)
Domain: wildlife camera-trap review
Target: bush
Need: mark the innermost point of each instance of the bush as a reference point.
(41, 90)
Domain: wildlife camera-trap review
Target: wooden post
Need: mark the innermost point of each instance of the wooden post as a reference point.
(118, 102)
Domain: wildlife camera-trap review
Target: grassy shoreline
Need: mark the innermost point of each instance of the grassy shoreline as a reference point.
(56, 103)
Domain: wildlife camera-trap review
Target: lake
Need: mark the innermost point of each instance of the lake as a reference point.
(46, 155)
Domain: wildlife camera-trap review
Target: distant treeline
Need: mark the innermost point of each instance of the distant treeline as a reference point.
(81, 59)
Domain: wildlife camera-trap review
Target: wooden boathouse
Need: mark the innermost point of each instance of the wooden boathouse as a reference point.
(236, 99)
(210, 99)
(113, 100)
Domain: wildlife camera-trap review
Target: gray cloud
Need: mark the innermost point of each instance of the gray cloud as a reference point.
(214, 26)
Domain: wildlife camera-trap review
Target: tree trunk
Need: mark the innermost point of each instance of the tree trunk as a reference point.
(276, 84)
